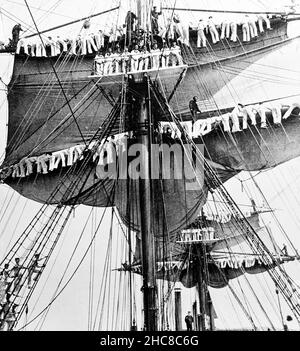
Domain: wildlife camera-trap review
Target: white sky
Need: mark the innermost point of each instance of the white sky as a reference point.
(281, 186)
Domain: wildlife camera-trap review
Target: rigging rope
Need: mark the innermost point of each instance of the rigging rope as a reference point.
(80, 181)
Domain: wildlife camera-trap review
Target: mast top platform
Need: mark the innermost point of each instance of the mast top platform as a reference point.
(138, 76)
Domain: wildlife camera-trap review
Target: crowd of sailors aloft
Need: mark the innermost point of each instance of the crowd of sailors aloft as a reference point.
(11, 282)
(235, 121)
(251, 26)
(143, 55)
(246, 260)
(238, 262)
(88, 42)
(138, 59)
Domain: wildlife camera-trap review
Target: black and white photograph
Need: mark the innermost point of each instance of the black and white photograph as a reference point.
(149, 169)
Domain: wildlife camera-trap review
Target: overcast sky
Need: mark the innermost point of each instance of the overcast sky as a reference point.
(280, 186)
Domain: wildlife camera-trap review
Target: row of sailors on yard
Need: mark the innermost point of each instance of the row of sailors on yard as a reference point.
(137, 60)
(237, 262)
(251, 111)
(83, 44)
(48, 162)
(228, 28)
(233, 121)
(88, 43)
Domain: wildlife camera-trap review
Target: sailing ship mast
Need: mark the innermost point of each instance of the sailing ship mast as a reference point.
(147, 235)
(145, 124)
(202, 288)
(142, 108)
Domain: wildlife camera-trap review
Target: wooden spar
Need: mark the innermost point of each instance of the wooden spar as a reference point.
(232, 11)
(291, 19)
(75, 21)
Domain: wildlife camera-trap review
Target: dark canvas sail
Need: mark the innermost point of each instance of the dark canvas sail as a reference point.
(40, 119)
(37, 105)
(225, 232)
(175, 259)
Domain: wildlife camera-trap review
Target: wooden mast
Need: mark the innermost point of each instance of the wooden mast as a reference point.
(147, 235)
(201, 284)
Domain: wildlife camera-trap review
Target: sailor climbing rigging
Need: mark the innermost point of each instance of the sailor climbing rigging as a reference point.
(17, 277)
(34, 267)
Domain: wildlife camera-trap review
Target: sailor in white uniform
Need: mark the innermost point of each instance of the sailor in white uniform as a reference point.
(82, 43)
(108, 64)
(165, 56)
(245, 28)
(262, 109)
(32, 44)
(135, 58)
(125, 56)
(115, 64)
(290, 110)
(252, 26)
(251, 112)
(118, 59)
(22, 43)
(144, 64)
(235, 114)
(61, 43)
(73, 41)
(261, 19)
(213, 30)
(276, 112)
(155, 56)
(176, 55)
(53, 48)
(233, 30)
(201, 38)
(91, 46)
(225, 29)
(99, 63)
(99, 39)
